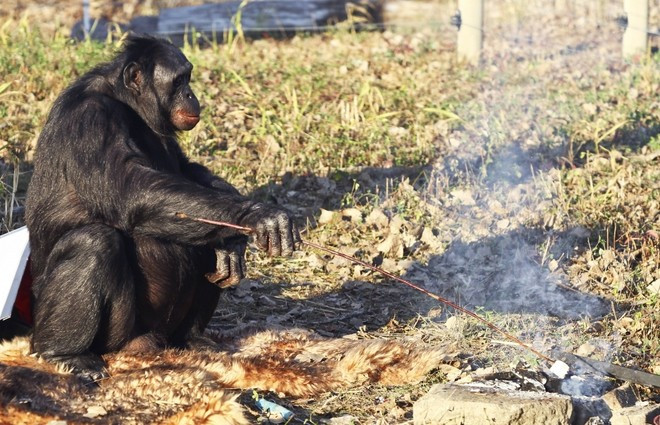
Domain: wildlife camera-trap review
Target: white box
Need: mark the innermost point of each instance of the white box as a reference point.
(14, 253)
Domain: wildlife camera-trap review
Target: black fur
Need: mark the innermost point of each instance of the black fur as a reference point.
(113, 267)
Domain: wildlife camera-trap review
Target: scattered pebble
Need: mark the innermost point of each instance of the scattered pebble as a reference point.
(559, 369)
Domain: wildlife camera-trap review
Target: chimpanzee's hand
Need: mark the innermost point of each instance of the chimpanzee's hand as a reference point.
(274, 231)
(230, 262)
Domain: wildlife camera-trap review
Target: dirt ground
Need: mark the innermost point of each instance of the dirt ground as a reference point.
(542, 218)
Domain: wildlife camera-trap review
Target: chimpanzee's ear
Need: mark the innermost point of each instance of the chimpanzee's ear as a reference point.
(133, 77)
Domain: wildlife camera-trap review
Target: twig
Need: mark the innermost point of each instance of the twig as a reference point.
(430, 294)
(215, 223)
(388, 274)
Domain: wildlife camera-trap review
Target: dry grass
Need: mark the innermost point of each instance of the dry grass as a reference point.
(504, 188)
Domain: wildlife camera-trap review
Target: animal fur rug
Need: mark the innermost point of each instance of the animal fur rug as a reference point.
(195, 387)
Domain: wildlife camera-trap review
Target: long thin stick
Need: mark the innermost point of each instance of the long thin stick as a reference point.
(388, 274)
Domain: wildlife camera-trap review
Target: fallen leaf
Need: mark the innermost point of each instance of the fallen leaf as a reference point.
(354, 214)
(95, 412)
(391, 246)
(405, 265)
(452, 373)
(585, 349)
(590, 108)
(464, 197)
(454, 323)
(396, 223)
(326, 216)
(314, 261)
(388, 264)
(377, 218)
(430, 239)
(654, 287)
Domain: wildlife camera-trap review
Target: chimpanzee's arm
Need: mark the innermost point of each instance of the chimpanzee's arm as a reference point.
(201, 175)
(116, 182)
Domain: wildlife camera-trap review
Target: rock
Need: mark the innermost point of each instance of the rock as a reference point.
(586, 407)
(469, 404)
(559, 369)
(620, 398)
(636, 415)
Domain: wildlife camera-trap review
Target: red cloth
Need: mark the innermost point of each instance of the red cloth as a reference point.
(23, 304)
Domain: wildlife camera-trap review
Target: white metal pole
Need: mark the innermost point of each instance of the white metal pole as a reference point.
(86, 18)
(470, 34)
(636, 35)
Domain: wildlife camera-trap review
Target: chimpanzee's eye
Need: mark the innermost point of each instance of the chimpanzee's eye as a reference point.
(178, 81)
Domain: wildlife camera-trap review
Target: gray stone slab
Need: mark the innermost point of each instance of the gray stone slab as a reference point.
(636, 415)
(448, 404)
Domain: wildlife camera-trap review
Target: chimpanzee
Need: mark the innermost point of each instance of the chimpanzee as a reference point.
(114, 268)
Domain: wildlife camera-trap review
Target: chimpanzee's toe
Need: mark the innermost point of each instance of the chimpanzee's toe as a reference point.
(89, 368)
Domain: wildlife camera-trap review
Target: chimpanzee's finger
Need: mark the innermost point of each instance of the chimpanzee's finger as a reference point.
(222, 271)
(223, 268)
(241, 264)
(275, 239)
(235, 272)
(297, 239)
(287, 228)
(261, 237)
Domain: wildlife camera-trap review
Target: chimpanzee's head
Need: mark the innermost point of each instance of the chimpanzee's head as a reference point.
(156, 76)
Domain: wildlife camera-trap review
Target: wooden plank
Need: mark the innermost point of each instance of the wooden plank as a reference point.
(580, 363)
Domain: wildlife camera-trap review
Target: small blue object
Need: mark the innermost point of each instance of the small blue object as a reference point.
(274, 412)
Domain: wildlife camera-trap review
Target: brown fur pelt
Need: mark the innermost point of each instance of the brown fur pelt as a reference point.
(191, 387)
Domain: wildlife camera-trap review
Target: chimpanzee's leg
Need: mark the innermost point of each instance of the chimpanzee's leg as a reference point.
(189, 333)
(171, 291)
(85, 302)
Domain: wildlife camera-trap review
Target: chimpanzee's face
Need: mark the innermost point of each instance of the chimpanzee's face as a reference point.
(172, 80)
(162, 84)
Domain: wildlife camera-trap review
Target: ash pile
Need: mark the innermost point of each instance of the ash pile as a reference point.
(585, 393)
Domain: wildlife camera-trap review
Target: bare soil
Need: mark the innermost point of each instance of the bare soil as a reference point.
(538, 208)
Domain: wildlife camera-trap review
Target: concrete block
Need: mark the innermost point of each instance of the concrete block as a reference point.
(620, 398)
(636, 415)
(447, 404)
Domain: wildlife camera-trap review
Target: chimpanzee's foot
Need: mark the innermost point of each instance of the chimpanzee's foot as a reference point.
(201, 343)
(88, 367)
